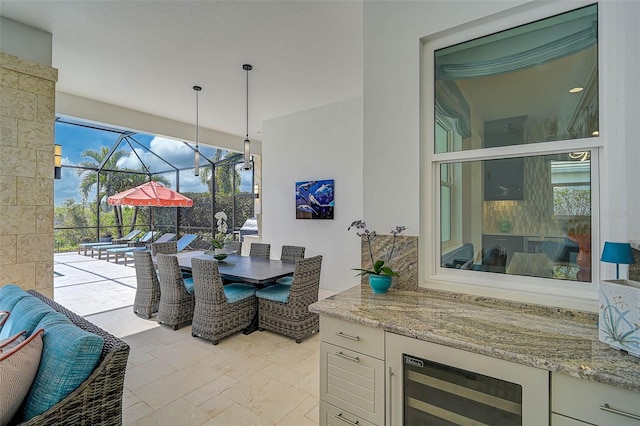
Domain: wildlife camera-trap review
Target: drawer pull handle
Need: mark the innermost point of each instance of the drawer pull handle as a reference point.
(350, 358)
(347, 421)
(346, 336)
(608, 408)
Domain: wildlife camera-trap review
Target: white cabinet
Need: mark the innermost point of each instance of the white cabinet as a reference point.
(579, 400)
(351, 373)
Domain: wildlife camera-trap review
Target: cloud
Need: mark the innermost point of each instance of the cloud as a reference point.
(174, 152)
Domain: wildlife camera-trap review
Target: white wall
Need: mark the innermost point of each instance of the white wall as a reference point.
(392, 149)
(321, 143)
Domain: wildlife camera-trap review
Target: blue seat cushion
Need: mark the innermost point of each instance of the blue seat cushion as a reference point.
(24, 316)
(9, 296)
(69, 356)
(237, 292)
(276, 293)
(188, 284)
(285, 280)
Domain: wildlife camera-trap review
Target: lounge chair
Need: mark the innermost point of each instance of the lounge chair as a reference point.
(86, 246)
(167, 247)
(100, 249)
(122, 251)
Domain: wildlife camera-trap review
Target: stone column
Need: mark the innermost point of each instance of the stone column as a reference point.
(27, 114)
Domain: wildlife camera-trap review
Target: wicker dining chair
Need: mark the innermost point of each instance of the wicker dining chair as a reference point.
(147, 296)
(289, 254)
(292, 253)
(220, 310)
(235, 246)
(164, 248)
(284, 309)
(176, 302)
(260, 250)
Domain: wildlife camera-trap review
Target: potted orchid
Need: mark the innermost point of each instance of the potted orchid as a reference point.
(220, 237)
(381, 273)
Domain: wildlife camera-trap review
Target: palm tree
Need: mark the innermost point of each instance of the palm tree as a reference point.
(111, 182)
(224, 174)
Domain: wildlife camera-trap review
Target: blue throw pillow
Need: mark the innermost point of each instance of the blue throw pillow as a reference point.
(9, 296)
(69, 356)
(25, 315)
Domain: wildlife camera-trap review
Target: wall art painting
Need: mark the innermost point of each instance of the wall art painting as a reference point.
(314, 199)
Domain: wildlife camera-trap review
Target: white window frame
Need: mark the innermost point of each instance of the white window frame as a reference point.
(578, 295)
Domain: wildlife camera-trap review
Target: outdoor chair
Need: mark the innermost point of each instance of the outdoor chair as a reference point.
(100, 249)
(234, 246)
(290, 254)
(260, 250)
(147, 285)
(284, 309)
(170, 247)
(122, 251)
(176, 294)
(220, 310)
(129, 237)
(86, 246)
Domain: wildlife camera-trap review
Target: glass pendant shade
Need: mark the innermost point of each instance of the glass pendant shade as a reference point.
(196, 152)
(247, 154)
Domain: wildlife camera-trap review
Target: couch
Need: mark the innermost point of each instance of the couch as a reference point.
(97, 398)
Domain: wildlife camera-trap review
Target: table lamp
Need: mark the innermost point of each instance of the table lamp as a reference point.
(617, 253)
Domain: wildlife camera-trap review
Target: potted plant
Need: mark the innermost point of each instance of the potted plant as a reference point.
(221, 237)
(381, 274)
(106, 237)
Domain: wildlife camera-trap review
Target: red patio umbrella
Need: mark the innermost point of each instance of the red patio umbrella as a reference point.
(150, 194)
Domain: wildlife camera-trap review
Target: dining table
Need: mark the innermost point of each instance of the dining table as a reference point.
(254, 270)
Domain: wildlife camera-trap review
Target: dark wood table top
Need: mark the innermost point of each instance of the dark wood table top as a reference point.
(254, 270)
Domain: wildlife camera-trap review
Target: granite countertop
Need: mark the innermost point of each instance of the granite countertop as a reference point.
(553, 339)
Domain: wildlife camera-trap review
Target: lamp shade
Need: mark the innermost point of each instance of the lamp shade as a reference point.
(617, 253)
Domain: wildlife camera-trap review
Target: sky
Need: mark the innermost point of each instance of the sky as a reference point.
(77, 139)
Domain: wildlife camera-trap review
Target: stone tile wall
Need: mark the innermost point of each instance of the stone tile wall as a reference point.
(27, 113)
(404, 260)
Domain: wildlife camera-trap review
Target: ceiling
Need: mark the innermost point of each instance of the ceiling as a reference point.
(147, 55)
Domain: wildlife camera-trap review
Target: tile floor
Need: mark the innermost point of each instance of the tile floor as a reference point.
(175, 379)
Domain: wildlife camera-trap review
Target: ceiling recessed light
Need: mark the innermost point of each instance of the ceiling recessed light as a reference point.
(576, 90)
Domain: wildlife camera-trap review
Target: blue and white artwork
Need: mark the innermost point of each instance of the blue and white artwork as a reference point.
(314, 199)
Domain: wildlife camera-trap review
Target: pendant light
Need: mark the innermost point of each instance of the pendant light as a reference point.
(247, 142)
(196, 153)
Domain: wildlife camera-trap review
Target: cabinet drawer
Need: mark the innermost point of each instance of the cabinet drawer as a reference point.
(333, 416)
(594, 403)
(357, 337)
(558, 420)
(352, 381)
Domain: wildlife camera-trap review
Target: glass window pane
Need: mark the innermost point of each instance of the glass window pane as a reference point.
(544, 230)
(534, 83)
(445, 216)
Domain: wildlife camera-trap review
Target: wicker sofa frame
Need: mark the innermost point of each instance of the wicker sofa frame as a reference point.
(98, 400)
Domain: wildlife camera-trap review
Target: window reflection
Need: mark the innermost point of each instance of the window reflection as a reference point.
(547, 234)
(515, 87)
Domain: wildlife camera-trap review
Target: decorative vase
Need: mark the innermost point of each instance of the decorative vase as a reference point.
(380, 283)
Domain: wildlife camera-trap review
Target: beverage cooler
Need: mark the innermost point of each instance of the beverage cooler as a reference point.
(434, 385)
